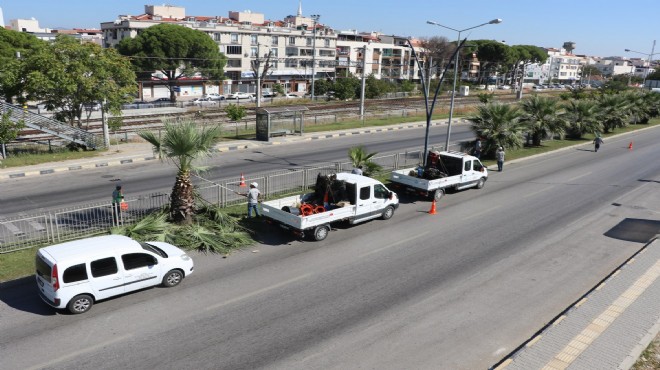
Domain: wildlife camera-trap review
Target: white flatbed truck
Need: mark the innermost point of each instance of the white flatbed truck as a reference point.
(366, 199)
(458, 171)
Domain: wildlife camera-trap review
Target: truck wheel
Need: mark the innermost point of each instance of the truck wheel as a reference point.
(321, 232)
(387, 213)
(481, 183)
(438, 194)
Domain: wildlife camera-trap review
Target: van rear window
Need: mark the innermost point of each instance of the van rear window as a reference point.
(43, 268)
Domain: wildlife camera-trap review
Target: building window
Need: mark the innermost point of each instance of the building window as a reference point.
(292, 40)
(254, 52)
(291, 63)
(309, 41)
(234, 38)
(326, 43)
(306, 52)
(274, 41)
(234, 63)
(234, 50)
(253, 39)
(291, 52)
(216, 36)
(326, 53)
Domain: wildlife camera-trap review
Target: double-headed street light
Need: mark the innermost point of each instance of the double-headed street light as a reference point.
(315, 18)
(453, 94)
(650, 56)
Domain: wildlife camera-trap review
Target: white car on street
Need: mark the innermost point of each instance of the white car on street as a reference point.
(76, 274)
(240, 95)
(204, 102)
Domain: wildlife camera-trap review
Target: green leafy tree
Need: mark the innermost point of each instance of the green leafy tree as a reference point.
(235, 112)
(407, 86)
(9, 130)
(183, 143)
(583, 118)
(175, 51)
(543, 116)
(498, 124)
(12, 45)
(346, 87)
(485, 97)
(279, 88)
(68, 75)
(614, 111)
(360, 158)
(639, 111)
(321, 87)
(493, 55)
(590, 71)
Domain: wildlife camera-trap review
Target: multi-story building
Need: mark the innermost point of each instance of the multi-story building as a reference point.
(560, 67)
(612, 66)
(300, 48)
(387, 57)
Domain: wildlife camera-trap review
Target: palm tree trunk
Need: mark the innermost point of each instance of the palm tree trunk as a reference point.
(182, 204)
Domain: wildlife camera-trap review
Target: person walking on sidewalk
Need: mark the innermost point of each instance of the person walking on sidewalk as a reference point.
(499, 155)
(597, 141)
(477, 148)
(117, 198)
(253, 196)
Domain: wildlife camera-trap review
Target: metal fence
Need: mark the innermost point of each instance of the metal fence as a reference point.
(97, 218)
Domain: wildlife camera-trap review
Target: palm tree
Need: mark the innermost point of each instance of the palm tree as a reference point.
(638, 107)
(498, 125)
(583, 118)
(543, 117)
(183, 143)
(613, 111)
(360, 158)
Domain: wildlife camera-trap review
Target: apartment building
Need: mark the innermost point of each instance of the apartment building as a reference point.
(299, 47)
(560, 67)
(611, 66)
(385, 56)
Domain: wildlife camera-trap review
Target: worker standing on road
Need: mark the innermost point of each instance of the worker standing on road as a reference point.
(499, 155)
(477, 148)
(117, 198)
(253, 196)
(597, 141)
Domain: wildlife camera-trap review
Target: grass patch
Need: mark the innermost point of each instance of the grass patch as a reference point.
(17, 264)
(27, 159)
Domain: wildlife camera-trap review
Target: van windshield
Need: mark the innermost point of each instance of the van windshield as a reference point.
(154, 249)
(43, 268)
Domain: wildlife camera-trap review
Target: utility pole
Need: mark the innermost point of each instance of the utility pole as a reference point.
(315, 18)
(364, 73)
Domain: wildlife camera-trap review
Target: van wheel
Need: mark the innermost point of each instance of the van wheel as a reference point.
(172, 278)
(438, 194)
(80, 304)
(481, 183)
(387, 213)
(321, 232)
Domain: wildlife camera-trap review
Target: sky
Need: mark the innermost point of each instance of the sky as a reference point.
(597, 27)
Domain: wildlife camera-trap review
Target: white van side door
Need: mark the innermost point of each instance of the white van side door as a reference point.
(106, 279)
(141, 270)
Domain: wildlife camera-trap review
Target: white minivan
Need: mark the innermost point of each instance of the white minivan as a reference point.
(76, 274)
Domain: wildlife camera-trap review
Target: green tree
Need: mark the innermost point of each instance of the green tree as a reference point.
(279, 88)
(613, 110)
(493, 56)
(583, 118)
(498, 124)
(183, 143)
(321, 87)
(346, 87)
(9, 130)
(235, 112)
(360, 158)
(175, 51)
(407, 86)
(68, 75)
(543, 116)
(12, 45)
(485, 97)
(590, 71)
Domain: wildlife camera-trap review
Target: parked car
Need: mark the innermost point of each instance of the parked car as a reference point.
(76, 274)
(203, 102)
(96, 106)
(504, 87)
(214, 96)
(240, 95)
(481, 87)
(291, 96)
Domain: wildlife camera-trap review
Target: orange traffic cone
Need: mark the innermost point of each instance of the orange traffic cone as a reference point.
(242, 184)
(630, 146)
(432, 211)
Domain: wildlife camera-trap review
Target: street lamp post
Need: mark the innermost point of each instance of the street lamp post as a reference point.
(650, 56)
(364, 66)
(315, 18)
(453, 94)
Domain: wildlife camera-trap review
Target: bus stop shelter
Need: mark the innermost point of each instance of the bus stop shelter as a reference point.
(280, 121)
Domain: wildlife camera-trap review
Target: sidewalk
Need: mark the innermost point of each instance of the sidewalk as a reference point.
(129, 153)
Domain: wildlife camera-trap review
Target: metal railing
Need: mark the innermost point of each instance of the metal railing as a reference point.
(52, 127)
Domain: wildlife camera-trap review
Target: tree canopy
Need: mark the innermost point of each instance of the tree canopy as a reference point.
(12, 45)
(176, 52)
(68, 75)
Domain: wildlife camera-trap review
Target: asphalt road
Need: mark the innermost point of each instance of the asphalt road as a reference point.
(457, 290)
(34, 195)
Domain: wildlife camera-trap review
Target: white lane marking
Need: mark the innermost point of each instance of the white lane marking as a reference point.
(71, 355)
(577, 177)
(538, 192)
(393, 244)
(256, 292)
(480, 213)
